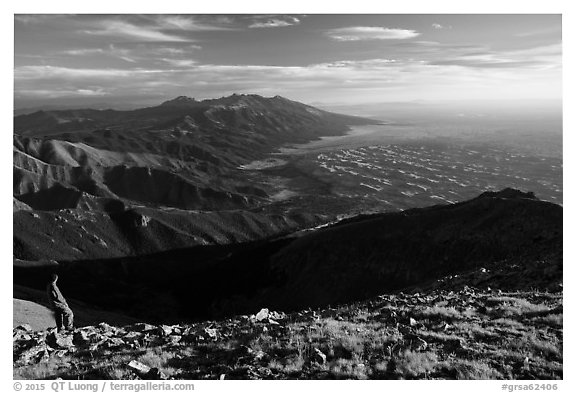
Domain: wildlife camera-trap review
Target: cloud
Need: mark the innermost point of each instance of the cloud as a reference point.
(213, 77)
(124, 29)
(359, 64)
(157, 28)
(178, 22)
(35, 18)
(180, 62)
(344, 75)
(60, 93)
(47, 72)
(282, 21)
(140, 52)
(91, 92)
(84, 52)
(193, 23)
(172, 51)
(360, 33)
(554, 30)
(443, 71)
(540, 57)
(438, 26)
(112, 51)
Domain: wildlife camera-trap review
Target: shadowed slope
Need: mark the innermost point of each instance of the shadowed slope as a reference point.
(352, 260)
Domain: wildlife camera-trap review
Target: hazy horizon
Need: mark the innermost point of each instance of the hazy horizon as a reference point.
(493, 107)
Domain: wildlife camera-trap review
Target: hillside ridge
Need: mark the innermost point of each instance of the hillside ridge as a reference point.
(351, 260)
(177, 168)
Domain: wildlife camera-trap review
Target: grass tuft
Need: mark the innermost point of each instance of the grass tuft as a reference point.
(415, 364)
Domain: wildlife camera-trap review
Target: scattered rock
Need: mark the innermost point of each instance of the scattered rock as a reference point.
(114, 342)
(557, 310)
(526, 365)
(318, 356)
(144, 220)
(81, 338)
(34, 355)
(259, 355)
(140, 368)
(132, 337)
(105, 327)
(174, 339)
(142, 327)
(21, 336)
(212, 333)
(165, 330)
(262, 315)
(58, 340)
(391, 313)
(25, 327)
(419, 344)
(94, 346)
(276, 315)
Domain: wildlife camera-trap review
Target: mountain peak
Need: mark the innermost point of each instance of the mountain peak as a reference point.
(184, 101)
(179, 101)
(508, 193)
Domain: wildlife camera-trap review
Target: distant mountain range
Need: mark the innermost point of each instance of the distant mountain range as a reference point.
(241, 112)
(62, 107)
(91, 183)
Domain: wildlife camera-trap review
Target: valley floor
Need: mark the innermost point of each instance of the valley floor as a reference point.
(465, 333)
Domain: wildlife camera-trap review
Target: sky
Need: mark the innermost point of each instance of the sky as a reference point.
(138, 60)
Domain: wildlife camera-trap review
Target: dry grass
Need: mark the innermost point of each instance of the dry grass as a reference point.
(44, 370)
(374, 340)
(534, 346)
(289, 365)
(159, 358)
(474, 369)
(439, 313)
(516, 307)
(554, 320)
(415, 364)
(348, 369)
(476, 332)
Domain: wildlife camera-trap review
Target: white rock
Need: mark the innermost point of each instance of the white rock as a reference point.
(262, 314)
(138, 367)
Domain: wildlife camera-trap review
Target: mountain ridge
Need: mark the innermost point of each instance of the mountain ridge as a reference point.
(352, 260)
(182, 164)
(52, 121)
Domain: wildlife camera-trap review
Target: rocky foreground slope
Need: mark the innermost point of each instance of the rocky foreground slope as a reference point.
(448, 331)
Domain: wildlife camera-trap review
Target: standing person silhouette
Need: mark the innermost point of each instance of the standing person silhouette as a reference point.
(63, 313)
